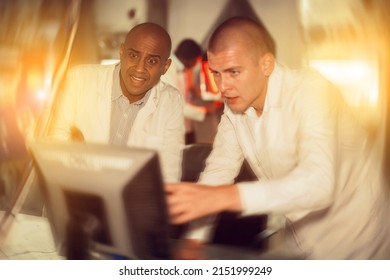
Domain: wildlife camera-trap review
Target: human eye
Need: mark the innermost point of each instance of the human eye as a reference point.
(214, 73)
(234, 72)
(133, 55)
(153, 60)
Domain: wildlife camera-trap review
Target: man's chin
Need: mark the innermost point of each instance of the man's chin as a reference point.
(236, 110)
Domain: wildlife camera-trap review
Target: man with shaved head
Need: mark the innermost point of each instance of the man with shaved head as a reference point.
(126, 104)
(313, 161)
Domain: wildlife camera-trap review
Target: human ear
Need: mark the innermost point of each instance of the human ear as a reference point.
(267, 63)
(167, 64)
(121, 50)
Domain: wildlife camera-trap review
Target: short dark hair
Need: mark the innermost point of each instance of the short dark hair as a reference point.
(188, 49)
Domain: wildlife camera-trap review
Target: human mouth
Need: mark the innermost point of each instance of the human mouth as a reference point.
(138, 79)
(231, 99)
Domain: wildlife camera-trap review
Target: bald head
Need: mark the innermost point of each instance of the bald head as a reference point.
(242, 31)
(144, 57)
(151, 30)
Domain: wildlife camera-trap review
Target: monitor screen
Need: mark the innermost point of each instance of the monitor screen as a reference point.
(104, 199)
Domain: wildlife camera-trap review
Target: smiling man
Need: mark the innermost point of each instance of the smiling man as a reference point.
(126, 104)
(144, 58)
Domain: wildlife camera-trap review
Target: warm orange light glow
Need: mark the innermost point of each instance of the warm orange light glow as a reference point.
(210, 84)
(10, 78)
(34, 79)
(358, 81)
(41, 95)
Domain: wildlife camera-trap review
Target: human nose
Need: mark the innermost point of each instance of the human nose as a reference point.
(140, 65)
(223, 83)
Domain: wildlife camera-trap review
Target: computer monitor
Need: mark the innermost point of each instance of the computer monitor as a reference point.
(104, 199)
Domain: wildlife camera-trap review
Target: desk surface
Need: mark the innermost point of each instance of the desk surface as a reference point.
(30, 238)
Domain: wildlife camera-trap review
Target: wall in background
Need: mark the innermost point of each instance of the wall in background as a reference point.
(194, 19)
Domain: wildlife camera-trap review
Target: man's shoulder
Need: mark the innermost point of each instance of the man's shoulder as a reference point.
(91, 69)
(302, 83)
(306, 76)
(167, 89)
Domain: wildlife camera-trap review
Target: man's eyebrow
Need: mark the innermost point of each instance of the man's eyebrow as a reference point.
(150, 55)
(225, 70)
(133, 50)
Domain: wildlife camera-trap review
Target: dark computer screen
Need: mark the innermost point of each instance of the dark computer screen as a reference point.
(104, 199)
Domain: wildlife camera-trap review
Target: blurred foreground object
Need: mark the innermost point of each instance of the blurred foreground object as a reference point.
(36, 38)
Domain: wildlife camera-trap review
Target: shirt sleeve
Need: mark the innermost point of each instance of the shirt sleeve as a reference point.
(173, 139)
(222, 167)
(226, 158)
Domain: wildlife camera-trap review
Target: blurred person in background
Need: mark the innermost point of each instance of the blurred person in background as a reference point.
(184, 75)
(126, 104)
(314, 162)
